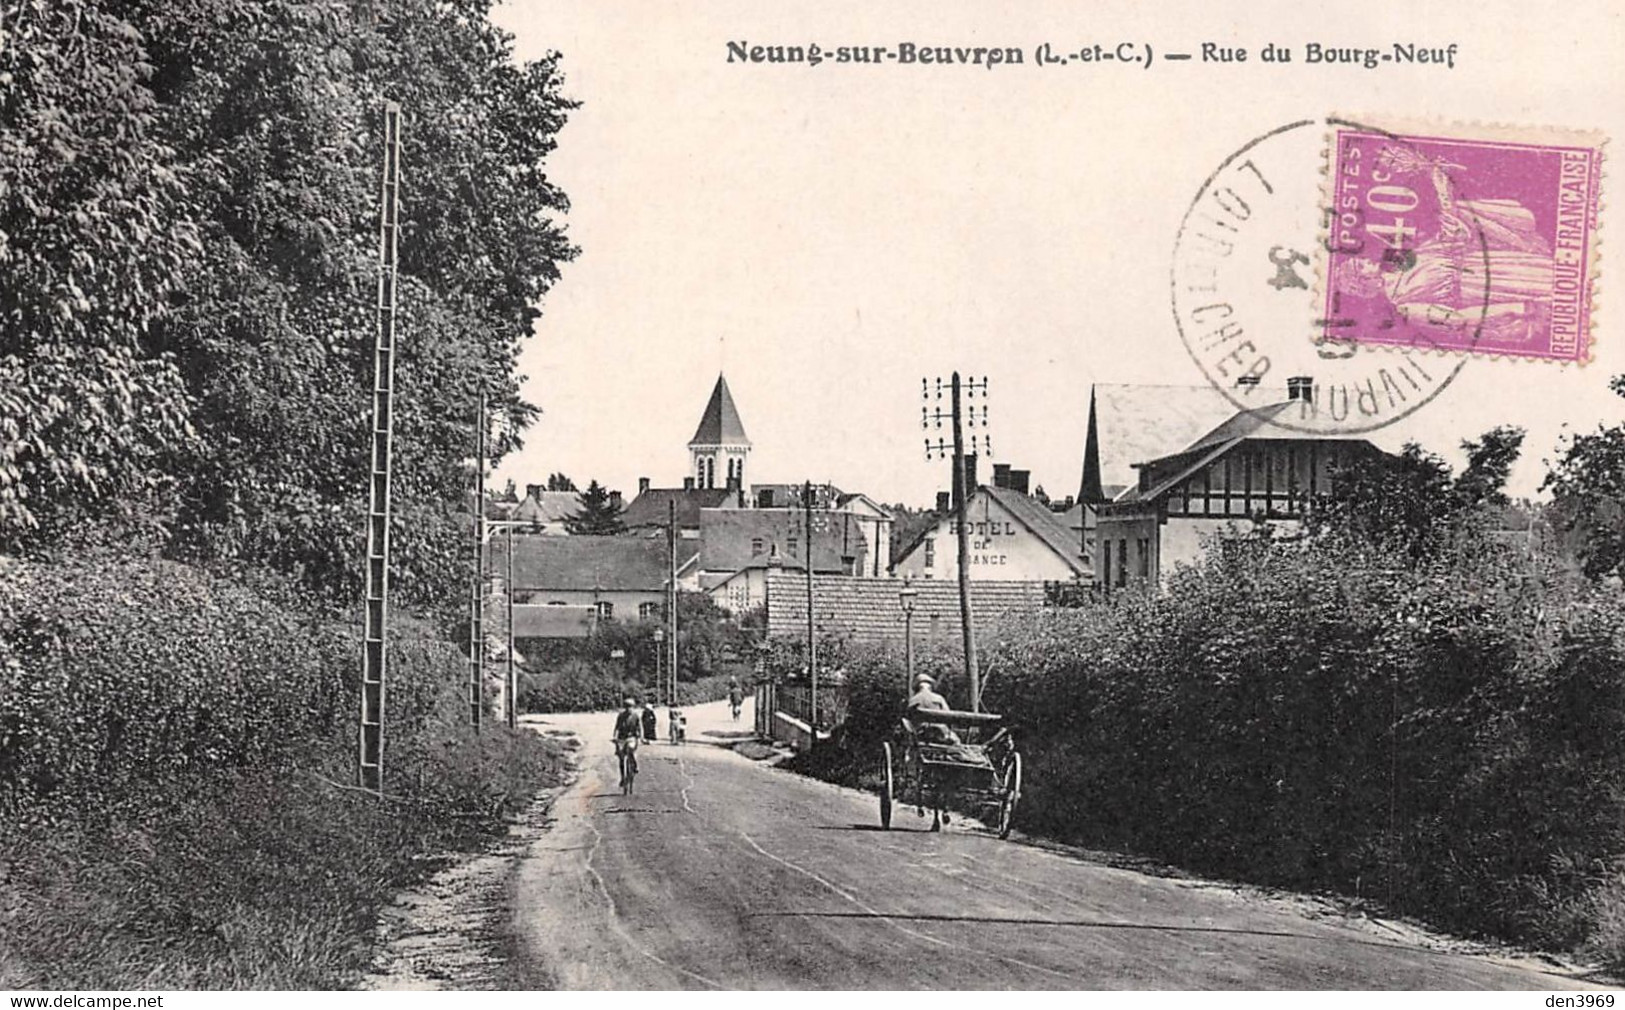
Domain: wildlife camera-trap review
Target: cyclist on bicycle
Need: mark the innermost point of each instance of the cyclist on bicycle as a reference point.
(628, 729)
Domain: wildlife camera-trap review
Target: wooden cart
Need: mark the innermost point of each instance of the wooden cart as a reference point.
(941, 761)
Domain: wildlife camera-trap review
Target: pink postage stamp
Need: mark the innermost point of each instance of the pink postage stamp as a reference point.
(1456, 244)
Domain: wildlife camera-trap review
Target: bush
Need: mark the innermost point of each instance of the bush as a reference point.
(118, 674)
(172, 813)
(578, 686)
(709, 643)
(586, 687)
(1441, 738)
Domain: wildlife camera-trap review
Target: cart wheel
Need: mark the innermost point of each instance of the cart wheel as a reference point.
(1012, 794)
(885, 787)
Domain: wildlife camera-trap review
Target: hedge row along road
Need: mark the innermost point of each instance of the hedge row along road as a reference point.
(724, 873)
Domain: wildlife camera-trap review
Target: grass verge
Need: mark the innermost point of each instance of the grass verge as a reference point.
(270, 878)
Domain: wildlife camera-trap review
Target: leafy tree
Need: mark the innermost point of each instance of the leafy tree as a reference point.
(1411, 503)
(559, 482)
(908, 525)
(599, 515)
(189, 243)
(96, 232)
(1588, 496)
(1489, 461)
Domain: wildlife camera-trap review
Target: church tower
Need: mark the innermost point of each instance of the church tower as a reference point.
(718, 449)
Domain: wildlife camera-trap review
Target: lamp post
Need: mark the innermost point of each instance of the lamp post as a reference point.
(906, 597)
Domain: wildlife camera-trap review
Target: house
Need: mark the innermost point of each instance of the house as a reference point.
(653, 508)
(739, 546)
(1241, 471)
(545, 511)
(619, 578)
(1013, 538)
(862, 513)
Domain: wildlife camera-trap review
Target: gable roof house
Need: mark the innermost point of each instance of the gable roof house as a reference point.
(621, 578)
(1013, 538)
(650, 510)
(546, 511)
(737, 547)
(1239, 470)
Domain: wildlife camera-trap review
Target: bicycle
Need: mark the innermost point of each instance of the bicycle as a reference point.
(626, 749)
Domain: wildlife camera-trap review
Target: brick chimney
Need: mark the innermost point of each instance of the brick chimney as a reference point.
(1300, 387)
(615, 501)
(1001, 474)
(534, 491)
(971, 483)
(643, 486)
(945, 502)
(688, 483)
(1020, 481)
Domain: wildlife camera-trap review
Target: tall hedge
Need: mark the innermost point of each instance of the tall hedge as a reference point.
(119, 675)
(1446, 738)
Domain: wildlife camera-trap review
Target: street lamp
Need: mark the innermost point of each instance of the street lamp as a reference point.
(906, 597)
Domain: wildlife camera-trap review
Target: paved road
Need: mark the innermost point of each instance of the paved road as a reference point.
(724, 873)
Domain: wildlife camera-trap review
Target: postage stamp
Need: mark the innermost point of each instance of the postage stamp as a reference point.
(1371, 261)
(1482, 244)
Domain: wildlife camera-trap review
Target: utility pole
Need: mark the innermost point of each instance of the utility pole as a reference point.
(370, 758)
(476, 625)
(961, 499)
(671, 583)
(513, 682)
(812, 639)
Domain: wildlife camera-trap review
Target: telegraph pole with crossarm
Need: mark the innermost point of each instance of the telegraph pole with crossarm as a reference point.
(960, 418)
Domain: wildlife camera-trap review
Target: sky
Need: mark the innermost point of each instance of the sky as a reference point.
(826, 236)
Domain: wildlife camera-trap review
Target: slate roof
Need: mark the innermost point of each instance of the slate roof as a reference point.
(649, 508)
(1138, 423)
(619, 563)
(726, 535)
(1050, 527)
(1044, 524)
(720, 424)
(789, 495)
(548, 507)
(1212, 446)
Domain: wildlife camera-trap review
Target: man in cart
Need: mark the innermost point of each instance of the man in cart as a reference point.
(926, 699)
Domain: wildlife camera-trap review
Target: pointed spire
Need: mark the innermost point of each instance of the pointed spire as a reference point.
(1089, 491)
(720, 424)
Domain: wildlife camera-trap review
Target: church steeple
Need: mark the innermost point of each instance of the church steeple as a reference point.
(719, 442)
(1089, 491)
